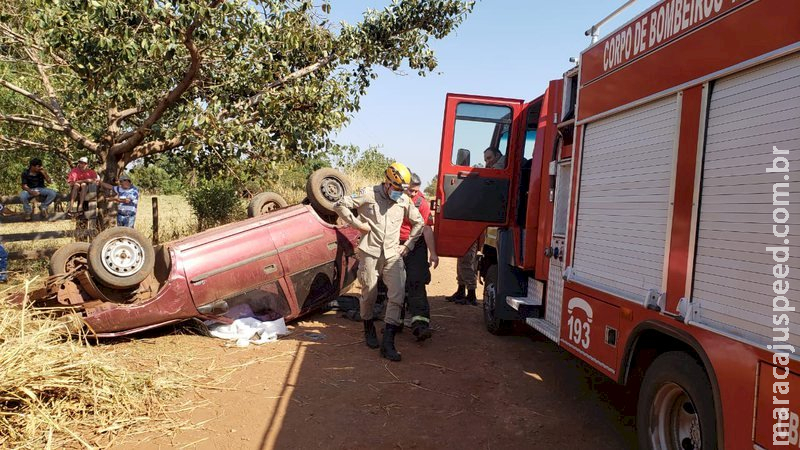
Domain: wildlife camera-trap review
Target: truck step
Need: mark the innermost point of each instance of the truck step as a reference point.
(526, 307)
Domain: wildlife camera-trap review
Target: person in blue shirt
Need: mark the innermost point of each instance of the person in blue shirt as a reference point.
(3, 264)
(127, 195)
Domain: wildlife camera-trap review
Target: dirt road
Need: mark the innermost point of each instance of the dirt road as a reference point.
(322, 388)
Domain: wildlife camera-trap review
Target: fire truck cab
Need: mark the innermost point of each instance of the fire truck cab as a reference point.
(643, 217)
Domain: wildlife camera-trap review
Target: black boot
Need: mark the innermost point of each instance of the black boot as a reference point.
(459, 294)
(370, 335)
(421, 330)
(470, 299)
(387, 347)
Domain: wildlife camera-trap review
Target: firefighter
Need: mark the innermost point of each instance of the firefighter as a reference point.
(381, 210)
(417, 262)
(467, 277)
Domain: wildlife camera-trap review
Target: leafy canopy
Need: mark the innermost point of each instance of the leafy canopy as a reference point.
(265, 79)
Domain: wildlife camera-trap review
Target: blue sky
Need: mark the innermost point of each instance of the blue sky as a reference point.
(505, 48)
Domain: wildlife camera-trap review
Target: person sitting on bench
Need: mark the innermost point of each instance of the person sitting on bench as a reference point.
(34, 180)
(79, 180)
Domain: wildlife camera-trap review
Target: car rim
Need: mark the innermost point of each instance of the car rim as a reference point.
(75, 261)
(674, 423)
(269, 206)
(332, 189)
(122, 256)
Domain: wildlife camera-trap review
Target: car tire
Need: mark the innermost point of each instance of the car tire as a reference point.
(69, 257)
(493, 324)
(121, 258)
(264, 203)
(676, 405)
(325, 187)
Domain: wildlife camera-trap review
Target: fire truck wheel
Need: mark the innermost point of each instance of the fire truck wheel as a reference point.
(325, 187)
(676, 406)
(264, 203)
(493, 324)
(69, 257)
(121, 258)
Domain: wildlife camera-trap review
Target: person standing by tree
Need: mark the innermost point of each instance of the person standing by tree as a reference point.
(381, 211)
(79, 180)
(418, 263)
(34, 180)
(127, 195)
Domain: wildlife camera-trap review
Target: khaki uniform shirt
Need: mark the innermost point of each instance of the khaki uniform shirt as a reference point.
(384, 218)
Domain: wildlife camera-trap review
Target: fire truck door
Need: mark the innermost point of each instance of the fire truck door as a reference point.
(481, 146)
(551, 324)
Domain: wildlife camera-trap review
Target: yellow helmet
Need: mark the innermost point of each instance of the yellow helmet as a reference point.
(398, 175)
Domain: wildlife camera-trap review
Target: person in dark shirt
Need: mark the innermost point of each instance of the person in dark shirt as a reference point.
(34, 180)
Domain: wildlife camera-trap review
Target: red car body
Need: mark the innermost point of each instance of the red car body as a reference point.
(289, 261)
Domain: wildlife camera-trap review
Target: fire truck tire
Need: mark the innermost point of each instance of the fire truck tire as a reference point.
(69, 257)
(264, 203)
(325, 187)
(121, 258)
(493, 324)
(676, 405)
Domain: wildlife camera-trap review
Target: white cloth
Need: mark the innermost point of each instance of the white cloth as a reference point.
(248, 330)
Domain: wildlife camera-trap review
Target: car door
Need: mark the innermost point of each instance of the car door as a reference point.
(309, 250)
(471, 197)
(234, 264)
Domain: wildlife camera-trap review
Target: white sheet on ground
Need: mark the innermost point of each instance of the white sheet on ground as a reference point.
(246, 330)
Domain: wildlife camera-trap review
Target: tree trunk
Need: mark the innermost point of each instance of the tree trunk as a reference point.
(109, 170)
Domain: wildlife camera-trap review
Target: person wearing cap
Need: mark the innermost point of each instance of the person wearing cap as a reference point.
(34, 180)
(79, 180)
(381, 210)
(418, 263)
(127, 195)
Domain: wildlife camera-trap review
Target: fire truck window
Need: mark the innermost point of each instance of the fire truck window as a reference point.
(478, 128)
(530, 140)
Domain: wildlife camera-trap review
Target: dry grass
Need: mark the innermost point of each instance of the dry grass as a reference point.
(57, 390)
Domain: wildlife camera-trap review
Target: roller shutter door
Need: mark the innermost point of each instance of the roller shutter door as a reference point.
(749, 113)
(623, 205)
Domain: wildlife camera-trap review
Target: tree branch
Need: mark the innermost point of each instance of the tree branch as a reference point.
(34, 121)
(55, 107)
(31, 96)
(151, 148)
(17, 143)
(172, 96)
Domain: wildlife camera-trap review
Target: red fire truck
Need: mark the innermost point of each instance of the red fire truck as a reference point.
(643, 216)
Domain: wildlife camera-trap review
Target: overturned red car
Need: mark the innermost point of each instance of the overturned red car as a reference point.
(284, 260)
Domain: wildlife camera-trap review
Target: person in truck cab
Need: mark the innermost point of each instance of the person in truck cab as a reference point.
(418, 263)
(494, 159)
(381, 210)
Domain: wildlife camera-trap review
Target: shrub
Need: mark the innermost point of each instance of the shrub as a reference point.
(215, 202)
(155, 180)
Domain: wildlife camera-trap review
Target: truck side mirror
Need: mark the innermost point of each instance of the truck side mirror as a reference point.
(462, 157)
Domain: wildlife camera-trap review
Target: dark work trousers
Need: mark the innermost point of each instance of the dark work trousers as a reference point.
(418, 274)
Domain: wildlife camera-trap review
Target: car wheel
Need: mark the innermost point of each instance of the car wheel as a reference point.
(676, 406)
(121, 258)
(325, 187)
(69, 257)
(264, 203)
(493, 324)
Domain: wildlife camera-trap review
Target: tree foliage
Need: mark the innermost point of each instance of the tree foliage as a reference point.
(204, 79)
(430, 189)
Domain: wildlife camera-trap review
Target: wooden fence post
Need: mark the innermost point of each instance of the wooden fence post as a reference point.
(155, 220)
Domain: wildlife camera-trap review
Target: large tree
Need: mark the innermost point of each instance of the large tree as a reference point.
(124, 79)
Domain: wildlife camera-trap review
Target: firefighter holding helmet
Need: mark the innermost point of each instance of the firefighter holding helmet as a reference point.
(381, 210)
